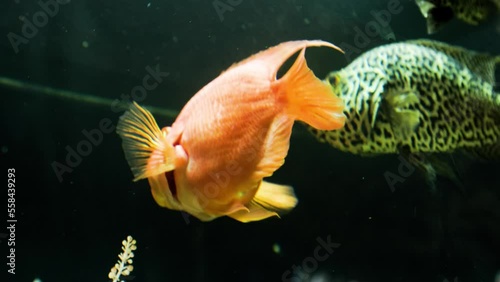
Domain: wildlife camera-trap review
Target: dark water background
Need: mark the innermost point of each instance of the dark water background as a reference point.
(71, 230)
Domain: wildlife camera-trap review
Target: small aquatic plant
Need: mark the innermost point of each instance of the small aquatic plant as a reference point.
(123, 266)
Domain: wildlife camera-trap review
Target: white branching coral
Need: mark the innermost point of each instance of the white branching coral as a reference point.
(123, 266)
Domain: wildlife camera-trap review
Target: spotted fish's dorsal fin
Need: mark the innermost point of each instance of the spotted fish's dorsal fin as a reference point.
(425, 7)
(481, 64)
(436, 15)
(497, 4)
(404, 119)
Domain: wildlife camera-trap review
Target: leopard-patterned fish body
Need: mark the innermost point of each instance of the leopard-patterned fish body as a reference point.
(422, 96)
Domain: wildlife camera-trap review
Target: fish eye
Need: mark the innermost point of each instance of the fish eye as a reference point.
(333, 79)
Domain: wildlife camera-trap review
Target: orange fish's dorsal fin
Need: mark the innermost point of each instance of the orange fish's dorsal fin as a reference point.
(276, 56)
(270, 200)
(309, 99)
(146, 149)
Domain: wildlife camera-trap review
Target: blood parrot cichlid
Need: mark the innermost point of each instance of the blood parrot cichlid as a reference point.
(233, 133)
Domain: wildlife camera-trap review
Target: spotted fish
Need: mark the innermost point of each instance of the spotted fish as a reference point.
(439, 12)
(418, 98)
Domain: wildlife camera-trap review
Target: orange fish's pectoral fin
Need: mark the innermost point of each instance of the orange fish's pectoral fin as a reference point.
(146, 148)
(276, 144)
(270, 200)
(309, 99)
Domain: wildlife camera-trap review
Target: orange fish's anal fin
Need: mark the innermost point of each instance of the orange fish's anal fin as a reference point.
(146, 149)
(270, 200)
(309, 99)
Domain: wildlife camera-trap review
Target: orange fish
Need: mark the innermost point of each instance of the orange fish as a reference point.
(234, 132)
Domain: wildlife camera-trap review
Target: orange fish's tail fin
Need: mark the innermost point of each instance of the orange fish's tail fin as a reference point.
(146, 149)
(309, 99)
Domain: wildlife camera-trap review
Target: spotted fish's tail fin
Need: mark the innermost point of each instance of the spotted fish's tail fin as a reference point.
(496, 84)
(497, 61)
(482, 64)
(493, 151)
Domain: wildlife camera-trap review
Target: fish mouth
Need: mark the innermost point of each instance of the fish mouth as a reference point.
(171, 183)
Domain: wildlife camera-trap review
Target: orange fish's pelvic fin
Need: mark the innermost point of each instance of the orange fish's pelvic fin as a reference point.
(146, 149)
(270, 200)
(309, 99)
